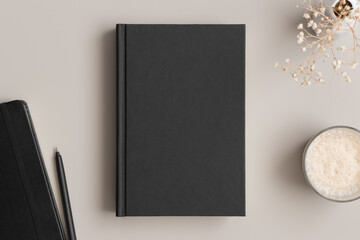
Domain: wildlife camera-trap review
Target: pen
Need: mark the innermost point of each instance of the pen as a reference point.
(65, 196)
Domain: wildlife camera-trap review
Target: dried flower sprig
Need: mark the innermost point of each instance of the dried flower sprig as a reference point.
(317, 37)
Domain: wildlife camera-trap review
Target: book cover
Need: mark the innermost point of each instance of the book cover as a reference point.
(27, 206)
(181, 120)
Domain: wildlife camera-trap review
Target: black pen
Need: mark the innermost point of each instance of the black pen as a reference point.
(65, 196)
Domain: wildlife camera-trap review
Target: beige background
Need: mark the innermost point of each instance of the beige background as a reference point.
(59, 56)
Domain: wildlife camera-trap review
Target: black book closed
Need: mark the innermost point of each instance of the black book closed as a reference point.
(27, 207)
(181, 120)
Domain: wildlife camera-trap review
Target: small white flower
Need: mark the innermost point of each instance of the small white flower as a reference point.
(347, 8)
(318, 31)
(306, 16)
(319, 74)
(300, 26)
(322, 19)
(348, 79)
(322, 10)
(300, 37)
(315, 25)
(312, 67)
(319, 45)
(315, 14)
(310, 23)
(321, 80)
(328, 31)
(287, 61)
(326, 55)
(343, 74)
(297, 6)
(308, 82)
(304, 49)
(329, 38)
(336, 64)
(276, 65)
(341, 48)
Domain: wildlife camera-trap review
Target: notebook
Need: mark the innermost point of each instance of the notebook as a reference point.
(27, 206)
(181, 120)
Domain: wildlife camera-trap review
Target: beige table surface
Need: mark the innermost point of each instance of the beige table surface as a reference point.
(59, 56)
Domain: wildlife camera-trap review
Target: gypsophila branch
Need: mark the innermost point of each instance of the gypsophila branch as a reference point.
(322, 24)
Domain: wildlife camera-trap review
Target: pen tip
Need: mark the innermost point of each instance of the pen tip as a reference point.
(56, 149)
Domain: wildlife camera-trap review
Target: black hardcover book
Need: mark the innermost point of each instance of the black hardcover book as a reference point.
(181, 120)
(27, 206)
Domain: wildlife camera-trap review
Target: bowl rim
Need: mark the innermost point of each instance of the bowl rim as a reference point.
(304, 161)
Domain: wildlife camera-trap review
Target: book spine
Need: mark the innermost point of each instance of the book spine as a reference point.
(121, 121)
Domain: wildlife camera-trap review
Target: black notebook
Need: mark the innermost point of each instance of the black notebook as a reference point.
(181, 120)
(27, 206)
